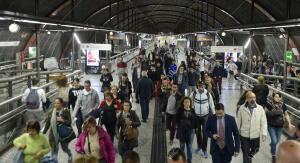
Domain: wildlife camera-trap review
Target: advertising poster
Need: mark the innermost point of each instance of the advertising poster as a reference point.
(93, 58)
(32, 52)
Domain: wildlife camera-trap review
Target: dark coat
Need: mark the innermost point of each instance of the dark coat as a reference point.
(261, 92)
(154, 76)
(218, 71)
(145, 88)
(263, 70)
(135, 76)
(106, 80)
(127, 144)
(185, 80)
(185, 125)
(230, 129)
(193, 78)
(165, 99)
(125, 91)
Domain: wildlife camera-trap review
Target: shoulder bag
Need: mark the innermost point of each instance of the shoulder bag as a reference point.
(20, 156)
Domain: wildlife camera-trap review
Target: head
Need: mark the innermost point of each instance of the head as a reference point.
(124, 77)
(135, 60)
(130, 157)
(288, 68)
(33, 128)
(174, 88)
(108, 96)
(288, 152)
(144, 74)
(152, 68)
(121, 59)
(87, 85)
(76, 82)
(191, 69)
(58, 103)
(267, 70)
(173, 61)
(187, 102)
(176, 155)
(219, 110)
(181, 69)
(114, 89)
(218, 63)
(158, 64)
(156, 57)
(162, 77)
(62, 81)
(105, 71)
(208, 80)
(35, 82)
(201, 87)
(89, 125)
(261, 80)
(127, 105)
(276, 96)
(250, 98)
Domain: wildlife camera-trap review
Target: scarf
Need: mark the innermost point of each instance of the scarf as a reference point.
(54, 126)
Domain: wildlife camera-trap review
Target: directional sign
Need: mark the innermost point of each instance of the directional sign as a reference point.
(289, 56)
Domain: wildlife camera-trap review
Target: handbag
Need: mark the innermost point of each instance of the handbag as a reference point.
(64, 131)
(131, 132)
(20, 156)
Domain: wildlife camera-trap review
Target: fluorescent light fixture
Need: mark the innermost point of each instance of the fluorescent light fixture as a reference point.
(111, 33)
(33, 22)
(77, 38)
(223, 34)
(280, 36)
(72, 26)
(48, 32)
(247, 43)
(14, 28)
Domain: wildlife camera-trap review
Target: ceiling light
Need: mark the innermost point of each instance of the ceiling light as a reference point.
(14, 28)
(195, 34)
(280, 36)
(111, 33)
(247, 43)
(223, 34)
(48, 32)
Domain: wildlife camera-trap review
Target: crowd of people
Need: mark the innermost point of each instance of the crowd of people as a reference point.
(188, 96)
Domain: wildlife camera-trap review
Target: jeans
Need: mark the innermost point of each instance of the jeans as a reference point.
(79, 121)
(171, 125)
(249, 147)
(144, 102)
(188, 147)
(275, 134)
(123, 150)
(200, 133)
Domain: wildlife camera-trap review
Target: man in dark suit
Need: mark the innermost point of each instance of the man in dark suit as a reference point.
(220, 127)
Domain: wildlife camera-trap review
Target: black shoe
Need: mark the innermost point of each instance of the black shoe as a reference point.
(144, 121)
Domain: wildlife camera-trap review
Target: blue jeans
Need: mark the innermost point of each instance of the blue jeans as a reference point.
(121, 150)
(275, 134)
(144, 102)
(188, 147)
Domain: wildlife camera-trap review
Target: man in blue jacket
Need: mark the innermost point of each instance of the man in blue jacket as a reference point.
(221, 128)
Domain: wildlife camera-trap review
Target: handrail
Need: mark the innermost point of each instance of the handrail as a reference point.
(276, 77)
(125, 52)
(293, 64)
(14, 61)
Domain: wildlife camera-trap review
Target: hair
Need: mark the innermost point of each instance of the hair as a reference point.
(176, 153)
(127, 101)
(124, 74)
(182, 101)
(60, 100)
(86, 159)
(62, 81)
(33, 125)
(76, 79)
(113, 86)
(243, 97)
(87, 82)
(89, 121)
(276, 93)
(130, 157)
(219, 106)
(144, 73)
(108, 93)
(261, 80)
(35, 81)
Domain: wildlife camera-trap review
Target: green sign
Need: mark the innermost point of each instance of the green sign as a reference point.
(289, 56)
(32, 52)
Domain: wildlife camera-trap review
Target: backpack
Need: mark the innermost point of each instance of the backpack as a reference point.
(33, 99)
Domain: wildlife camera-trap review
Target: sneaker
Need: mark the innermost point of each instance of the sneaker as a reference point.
(197, 150)
(205, 154)
(144, 121)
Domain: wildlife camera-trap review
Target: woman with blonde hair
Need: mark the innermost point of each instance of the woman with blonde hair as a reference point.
(261, 91)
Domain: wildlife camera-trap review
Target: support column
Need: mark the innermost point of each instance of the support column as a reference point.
(250, 54)
(286, 46)
(37, 32)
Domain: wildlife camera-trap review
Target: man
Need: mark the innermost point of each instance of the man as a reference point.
(34, 98)
(252, 123)
(153, 74)
(288, 152)
(204, 105)
(193, 78)
(121, 68)
(217, 75)
(87, 104)
(260, 68)
(176, 155)
(136, 75)
(130, 157)
(239, 65)
(211, 66)
(168, 62)
(221, 128)
(144, 91)
(170, 100)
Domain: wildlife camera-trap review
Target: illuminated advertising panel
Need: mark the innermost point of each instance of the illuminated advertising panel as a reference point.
(92, 58)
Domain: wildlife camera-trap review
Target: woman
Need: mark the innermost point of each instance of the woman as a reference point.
(241, 101)
(186, 124)
(114, 91)
(261, 91)
(182, 79)
(231, 67)
(63, 89)
(106, 79)
(212, 90)
(276, 112)
(59, 122)
(33, 144)
(130, 118)
(108, 109)
(96, 142)
(125, 88)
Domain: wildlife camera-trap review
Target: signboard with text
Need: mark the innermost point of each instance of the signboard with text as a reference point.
(222, 49)
(104, 47)
(32, 52)
(204, 37)
(117, 36)
(289, 57)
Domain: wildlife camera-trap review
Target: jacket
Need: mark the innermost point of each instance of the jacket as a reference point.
(261, 92)
(67, 122)
(105, 144)
(275, 116)
(202, 103)
(218, 71)
(87, 101)
(193, 78)
(185, 80)
(165, 99)
(121, 67)
(185, 123)
(154, 75)
(230, 129)
(135, 78)
(172, 68)
(145, 88)
(120, 129)
(263, 70)
(125, 91)
(109, 115)
(73, 94)
(106, 80)
(252, 126)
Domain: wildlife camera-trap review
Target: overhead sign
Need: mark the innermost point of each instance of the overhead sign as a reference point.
(32, 52)
(289, 56)
(104, 47)
(117, 36)
(9, 43)
(222, 49)
(204, 37)
(162, 38)
(181, 39)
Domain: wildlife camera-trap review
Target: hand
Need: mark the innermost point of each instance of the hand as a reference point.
(264, 138)
(38, 155)
(129, 123)
(215, 136)
(59, 119)
(236, 154)
(291, 128)
(22, 146)
(116, 106)
(73, 116)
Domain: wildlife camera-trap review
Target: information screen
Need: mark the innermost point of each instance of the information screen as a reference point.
(92, 58)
